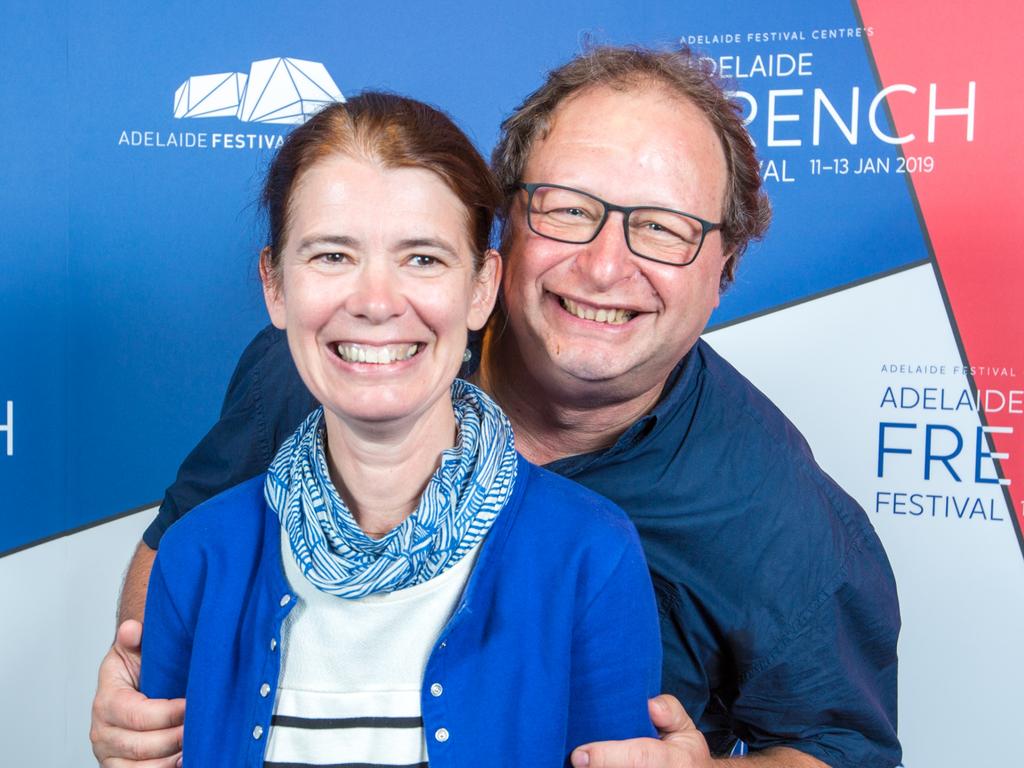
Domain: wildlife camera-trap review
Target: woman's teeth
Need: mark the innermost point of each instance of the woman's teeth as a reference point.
(613, 316)
(361, 353)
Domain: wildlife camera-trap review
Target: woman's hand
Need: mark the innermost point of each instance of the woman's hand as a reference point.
(129, 729)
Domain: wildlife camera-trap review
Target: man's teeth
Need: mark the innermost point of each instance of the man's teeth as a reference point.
(392, 353)
(613, 316)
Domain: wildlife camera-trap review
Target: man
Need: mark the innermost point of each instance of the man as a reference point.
(631, 192)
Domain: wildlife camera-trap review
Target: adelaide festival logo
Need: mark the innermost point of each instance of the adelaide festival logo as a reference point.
(280, 90)
(283, 91)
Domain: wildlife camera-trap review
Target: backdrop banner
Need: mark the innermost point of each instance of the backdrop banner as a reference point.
(878, 313)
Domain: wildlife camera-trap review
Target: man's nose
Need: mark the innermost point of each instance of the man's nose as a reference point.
(607, 260)
(376, 295)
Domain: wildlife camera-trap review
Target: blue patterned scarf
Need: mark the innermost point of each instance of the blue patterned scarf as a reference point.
(462, 499)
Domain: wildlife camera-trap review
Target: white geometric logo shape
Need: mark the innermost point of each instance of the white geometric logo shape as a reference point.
(210, 95)
(286, 91)
(279, 90)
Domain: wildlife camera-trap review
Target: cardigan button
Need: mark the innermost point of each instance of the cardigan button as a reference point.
(273, 643)
(264, 690)
(441, 734)
(257, 732)
(285, 600)
(436, 690)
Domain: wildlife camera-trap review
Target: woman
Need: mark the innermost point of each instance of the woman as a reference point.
(401, 585)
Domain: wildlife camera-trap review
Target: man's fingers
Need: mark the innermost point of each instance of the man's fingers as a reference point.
(668, 716)
(139, 749)
(632, 753)
(681, 744)
(134, 712)
(129, 635)
(129, 729)
(123, 662)
(163, 762)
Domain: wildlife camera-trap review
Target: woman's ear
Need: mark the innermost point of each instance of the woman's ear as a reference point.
(485, 290)
(273, 290)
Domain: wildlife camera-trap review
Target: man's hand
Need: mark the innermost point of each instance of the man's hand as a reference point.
(681, 744)
(127, 728)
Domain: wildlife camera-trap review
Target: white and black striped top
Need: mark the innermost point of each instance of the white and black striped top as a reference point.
(352, 671)
(336, 730)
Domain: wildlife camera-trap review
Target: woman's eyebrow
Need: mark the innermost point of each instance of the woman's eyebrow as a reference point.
(427, 242)
(343, 241)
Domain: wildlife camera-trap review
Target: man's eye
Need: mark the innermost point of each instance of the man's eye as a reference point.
(664, 231)
(422, 260)
(569, 216)
(571, 213)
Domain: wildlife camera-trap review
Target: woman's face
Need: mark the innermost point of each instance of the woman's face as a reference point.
(376, 289)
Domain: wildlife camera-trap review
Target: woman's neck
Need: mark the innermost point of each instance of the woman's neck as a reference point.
(381, 473)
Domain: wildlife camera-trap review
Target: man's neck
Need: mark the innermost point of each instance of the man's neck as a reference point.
(549, 424)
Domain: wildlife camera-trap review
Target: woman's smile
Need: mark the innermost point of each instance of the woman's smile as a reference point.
(377, 355)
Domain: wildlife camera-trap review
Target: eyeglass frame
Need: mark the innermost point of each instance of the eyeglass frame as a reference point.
(626, 211)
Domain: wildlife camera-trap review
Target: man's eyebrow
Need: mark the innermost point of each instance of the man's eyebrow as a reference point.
(427, 242)
(343, 241)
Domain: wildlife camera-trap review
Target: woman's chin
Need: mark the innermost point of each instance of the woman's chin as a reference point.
(383, 407)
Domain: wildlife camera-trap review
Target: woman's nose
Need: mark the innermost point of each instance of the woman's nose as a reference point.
(376, 295)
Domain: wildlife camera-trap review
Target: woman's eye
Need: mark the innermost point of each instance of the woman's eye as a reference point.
(332, 258)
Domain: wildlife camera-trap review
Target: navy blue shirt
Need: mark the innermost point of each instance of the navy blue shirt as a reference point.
(777, 602)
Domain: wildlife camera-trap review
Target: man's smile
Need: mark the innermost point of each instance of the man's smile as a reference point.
(584, 311)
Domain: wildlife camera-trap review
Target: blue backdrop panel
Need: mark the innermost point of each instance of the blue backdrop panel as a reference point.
(33, 272)
(129, 265)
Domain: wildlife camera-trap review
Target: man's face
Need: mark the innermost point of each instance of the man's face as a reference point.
(641, 147)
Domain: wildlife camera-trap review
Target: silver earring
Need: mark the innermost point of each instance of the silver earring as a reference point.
(467, 356)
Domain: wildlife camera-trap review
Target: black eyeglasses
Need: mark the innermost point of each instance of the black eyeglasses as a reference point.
(571, 216)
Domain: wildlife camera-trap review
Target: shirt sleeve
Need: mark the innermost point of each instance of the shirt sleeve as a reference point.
(166, 642)
(829, 688)
(265, 401)
(616, 656)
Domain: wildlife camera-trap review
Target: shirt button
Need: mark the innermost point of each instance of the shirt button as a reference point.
(273, 643)
(441, 734)
(285, 600)
(257, 731)
(264, 690)
(436, 690)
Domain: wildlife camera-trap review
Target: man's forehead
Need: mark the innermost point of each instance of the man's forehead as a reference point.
(653, 141)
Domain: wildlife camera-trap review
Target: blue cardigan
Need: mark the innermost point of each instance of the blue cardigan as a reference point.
(553, 644)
